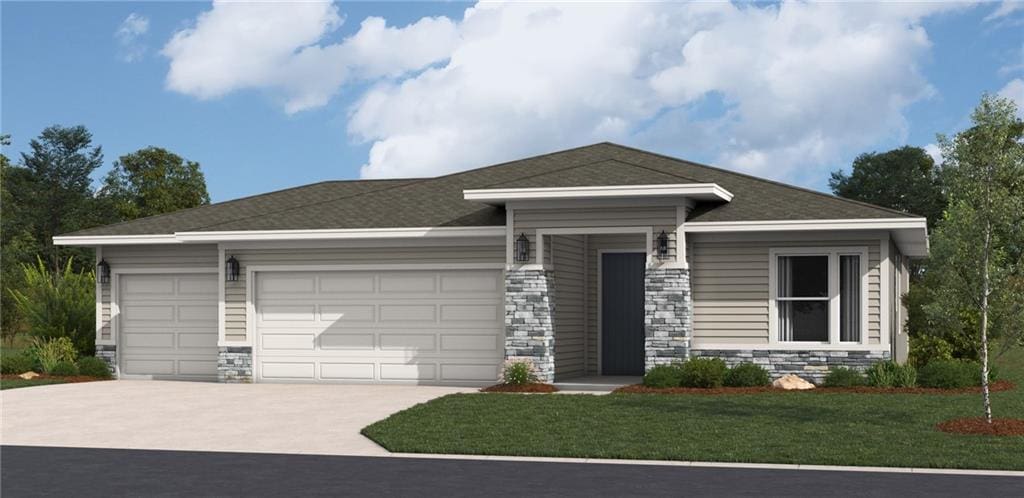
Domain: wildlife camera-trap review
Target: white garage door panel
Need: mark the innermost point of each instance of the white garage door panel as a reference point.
(418, 326)
(167, 326)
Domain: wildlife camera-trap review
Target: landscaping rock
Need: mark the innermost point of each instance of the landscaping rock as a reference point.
(790, 382)
(29, 375)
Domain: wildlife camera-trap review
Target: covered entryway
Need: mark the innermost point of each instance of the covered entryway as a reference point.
(167, 326)
(622, 313)
(425, 326)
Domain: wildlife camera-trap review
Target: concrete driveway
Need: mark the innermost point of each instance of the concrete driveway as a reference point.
(164, 415)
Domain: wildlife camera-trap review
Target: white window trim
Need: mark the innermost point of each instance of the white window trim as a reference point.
(833, 254)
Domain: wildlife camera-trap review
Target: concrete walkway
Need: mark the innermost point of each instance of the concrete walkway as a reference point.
(195, 416)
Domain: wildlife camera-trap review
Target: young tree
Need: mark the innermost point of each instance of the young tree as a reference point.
(978, 246)
(58, 195)
(905, 179)
(152, 181)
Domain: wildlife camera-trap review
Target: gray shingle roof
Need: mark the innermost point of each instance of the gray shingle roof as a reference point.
(438, 202)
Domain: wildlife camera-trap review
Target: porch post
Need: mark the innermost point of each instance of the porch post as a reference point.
(529, 319)
(668, 315)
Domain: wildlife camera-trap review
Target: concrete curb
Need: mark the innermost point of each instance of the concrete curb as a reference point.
(734, 465)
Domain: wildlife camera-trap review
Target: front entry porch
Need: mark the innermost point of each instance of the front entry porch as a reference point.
(599, 312)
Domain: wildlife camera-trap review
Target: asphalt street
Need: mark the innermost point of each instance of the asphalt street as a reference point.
(42, 471)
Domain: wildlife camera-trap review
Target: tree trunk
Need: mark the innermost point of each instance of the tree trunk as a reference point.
(984, 324)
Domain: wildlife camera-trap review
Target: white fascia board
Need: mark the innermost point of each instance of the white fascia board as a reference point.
(112, 240)
(285, 235)
(700, 191)
(910, 234)
(784, 225)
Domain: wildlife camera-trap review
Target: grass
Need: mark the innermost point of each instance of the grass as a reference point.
(809, 428)
(19, 383)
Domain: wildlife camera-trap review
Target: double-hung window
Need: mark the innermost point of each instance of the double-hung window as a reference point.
(818, 295)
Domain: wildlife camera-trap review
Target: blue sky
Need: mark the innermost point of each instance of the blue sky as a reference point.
(788, 91)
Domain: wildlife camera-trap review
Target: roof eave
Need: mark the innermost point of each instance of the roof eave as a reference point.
(695, 191)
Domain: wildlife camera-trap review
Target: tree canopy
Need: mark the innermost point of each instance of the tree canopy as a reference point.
(152, 181)
(905, 179)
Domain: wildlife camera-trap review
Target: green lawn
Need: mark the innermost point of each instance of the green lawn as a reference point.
(18, 383)
(808, 428)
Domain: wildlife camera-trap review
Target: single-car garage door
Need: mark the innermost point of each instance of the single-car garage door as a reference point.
(168, 326)
(408, 326)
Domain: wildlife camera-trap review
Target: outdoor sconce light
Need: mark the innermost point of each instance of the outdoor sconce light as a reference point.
(522, 248)
(662, 245)
(104, 271)
(231, 269)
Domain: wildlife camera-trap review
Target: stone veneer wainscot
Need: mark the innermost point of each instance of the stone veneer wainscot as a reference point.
(234, 364)
(529, 320)
(668, 316)
(108, 353)
(812, 365)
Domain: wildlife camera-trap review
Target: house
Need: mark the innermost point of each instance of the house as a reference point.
(599, 260)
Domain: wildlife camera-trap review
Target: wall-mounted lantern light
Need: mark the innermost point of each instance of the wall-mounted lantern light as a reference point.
(103, 271)
(663, 245)
(231, 269)
(522, 248)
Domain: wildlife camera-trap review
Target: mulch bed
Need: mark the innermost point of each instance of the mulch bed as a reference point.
(69, 379)
(521, 388)
(999, 385)
(978, 426)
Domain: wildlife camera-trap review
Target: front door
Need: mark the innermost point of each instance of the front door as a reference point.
(622, 313)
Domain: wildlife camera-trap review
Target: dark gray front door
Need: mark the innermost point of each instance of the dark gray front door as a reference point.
(622, 313)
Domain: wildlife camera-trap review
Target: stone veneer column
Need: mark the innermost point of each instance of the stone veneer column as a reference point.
(108, 353)
(668, 316)
(529, 320)
(234, 365)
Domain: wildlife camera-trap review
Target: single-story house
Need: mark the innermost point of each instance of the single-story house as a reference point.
(598, 260)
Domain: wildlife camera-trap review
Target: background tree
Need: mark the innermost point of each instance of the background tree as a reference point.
(977, 268)
(57, 196)
(17, 245)
(152, 181)
(905, 179)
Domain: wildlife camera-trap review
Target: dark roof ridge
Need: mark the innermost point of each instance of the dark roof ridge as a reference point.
(506, 163)
(567, 168)
(765, 180)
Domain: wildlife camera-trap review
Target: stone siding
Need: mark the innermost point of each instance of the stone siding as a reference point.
(234, 365)
(529, 320)
(108, 353)
(668, 316)
(810, 364)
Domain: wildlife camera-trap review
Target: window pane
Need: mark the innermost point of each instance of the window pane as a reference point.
(803, 276)
(849, 298)
(803, 321)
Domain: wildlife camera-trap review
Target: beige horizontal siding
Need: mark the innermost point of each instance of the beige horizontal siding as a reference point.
(729, 279)
(151, 256)
(527, 221)
(570, 310)
(234, 292)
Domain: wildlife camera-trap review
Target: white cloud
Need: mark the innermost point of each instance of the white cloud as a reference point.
(1014, 90)
(235, 46)
(784, 91)
(1006, 8)
(128, 34)
(935, 151)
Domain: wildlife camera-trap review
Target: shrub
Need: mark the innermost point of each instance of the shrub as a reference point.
(952, 374)
(703, 372)
(17, 363)
(63, 369)
(844, 377)
(664, 376)
(93, 367)
(747, 375)
(518, 372)
(926, 349)
(58, 304)
(891, 374)
(47, 353)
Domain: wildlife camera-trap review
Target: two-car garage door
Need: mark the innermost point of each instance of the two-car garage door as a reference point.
(422, 326)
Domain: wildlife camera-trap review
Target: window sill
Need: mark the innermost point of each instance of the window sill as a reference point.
(792, 346)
